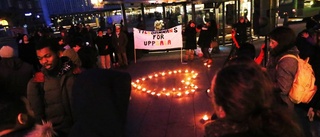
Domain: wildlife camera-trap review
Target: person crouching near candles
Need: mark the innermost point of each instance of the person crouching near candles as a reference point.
(245, 105)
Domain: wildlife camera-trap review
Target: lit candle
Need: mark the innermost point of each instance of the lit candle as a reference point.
(138, 81)
(179, 94)
(170, 72)
(158, 94)
(168, 94)
(153, 93)
(205, 117)
(150, 77)
(144, 89)
(175, 71)
(186, 71)
(205, 64)
(187, 92)
(143, 79)
(209, 66)
(149, 91)
(155, 75)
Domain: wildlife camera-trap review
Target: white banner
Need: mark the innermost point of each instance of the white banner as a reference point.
(159, 39)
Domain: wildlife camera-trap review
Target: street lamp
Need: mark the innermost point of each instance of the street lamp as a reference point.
(97, 3)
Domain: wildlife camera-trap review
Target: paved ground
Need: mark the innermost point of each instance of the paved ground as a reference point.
(171, 116)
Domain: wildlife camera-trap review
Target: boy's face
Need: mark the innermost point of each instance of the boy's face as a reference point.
(47, 58)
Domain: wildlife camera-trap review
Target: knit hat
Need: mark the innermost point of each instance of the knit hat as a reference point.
(6, 52)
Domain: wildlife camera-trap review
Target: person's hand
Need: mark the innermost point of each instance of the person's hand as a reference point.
(38, 77)
(233, 32)
(305, 35)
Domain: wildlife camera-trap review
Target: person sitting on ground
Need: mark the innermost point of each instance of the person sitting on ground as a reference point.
(245, 104)
(17, 119)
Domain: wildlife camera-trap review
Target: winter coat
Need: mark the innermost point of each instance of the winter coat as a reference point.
(120, 43)
(51, 100)
(102, 42)
(283, 73)
(190, 38)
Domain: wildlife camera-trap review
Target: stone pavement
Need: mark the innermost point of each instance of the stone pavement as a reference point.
(169, 115)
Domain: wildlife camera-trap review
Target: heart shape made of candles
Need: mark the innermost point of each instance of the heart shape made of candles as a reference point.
(155, 84)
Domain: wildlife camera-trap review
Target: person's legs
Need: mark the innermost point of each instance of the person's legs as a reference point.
(191, 53)
(186, 57)
(124, 59)
(103, 61)
(120, 60)
(108, 62)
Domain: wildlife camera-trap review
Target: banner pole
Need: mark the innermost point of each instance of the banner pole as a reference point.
(135, 56)
(181, 54)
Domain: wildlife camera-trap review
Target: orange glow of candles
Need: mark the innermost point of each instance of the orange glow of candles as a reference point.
(209, 66)
(168, 94)
(205, 64)
(205, 117)
(179, 94)
(186, 87)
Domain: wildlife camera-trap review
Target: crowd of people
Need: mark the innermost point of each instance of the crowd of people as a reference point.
(52, 87)
(40, 80)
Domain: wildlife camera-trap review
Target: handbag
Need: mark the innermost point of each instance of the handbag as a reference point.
(214, 44)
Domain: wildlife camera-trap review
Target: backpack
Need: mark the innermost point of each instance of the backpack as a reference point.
(303, 87)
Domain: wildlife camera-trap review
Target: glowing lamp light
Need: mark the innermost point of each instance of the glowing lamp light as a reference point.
(97, 3)
(205, 117)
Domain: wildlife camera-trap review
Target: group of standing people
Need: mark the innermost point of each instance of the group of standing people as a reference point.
(61, 85)
(207, 33)
(254, 100)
